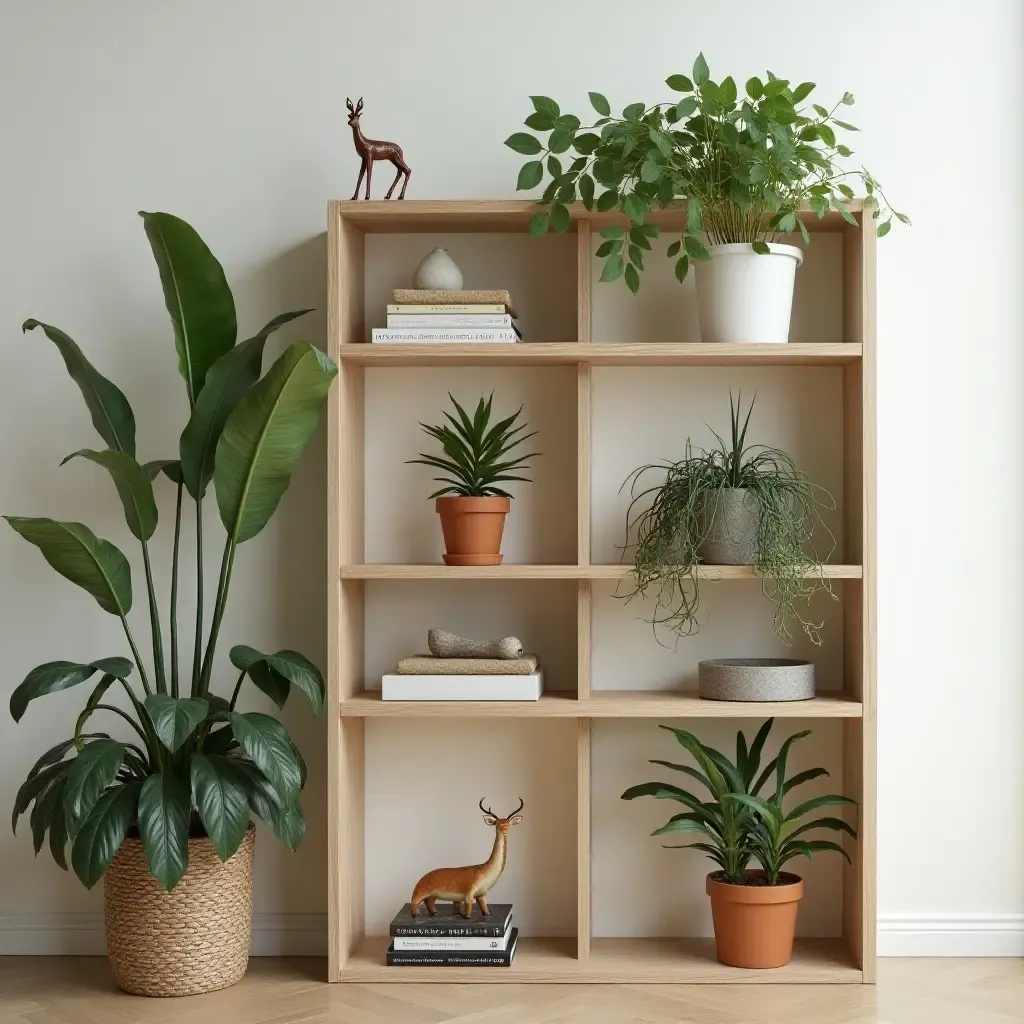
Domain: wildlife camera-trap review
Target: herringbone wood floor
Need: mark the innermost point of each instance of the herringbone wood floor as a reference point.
(38, 990)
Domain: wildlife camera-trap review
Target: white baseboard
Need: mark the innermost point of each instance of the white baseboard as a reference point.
(951, 935)
(82, 935)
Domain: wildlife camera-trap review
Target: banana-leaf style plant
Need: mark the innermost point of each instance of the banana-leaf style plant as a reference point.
(737, 824)
(750, 166)
(195, 763)
(674, 521)
(475, 455)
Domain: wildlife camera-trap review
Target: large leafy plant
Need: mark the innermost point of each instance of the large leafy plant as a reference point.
(195, 764)
(749, 166)
(670, 520)
(475, 456)
(737, 824)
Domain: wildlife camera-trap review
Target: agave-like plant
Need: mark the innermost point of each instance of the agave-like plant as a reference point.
(195, 764)
(476, 455)
(734, 822)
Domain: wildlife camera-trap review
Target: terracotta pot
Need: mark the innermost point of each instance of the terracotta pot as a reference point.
(472, 529)
(755, 924)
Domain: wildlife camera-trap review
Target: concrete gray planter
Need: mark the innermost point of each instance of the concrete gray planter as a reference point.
(755, 679)
(732, 516)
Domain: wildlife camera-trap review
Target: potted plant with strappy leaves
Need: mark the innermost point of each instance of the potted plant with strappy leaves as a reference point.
(475, 457)
(749, 166)
(754, 909)
(159, 806)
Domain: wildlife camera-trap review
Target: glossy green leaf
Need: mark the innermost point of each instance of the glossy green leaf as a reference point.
(695, 248)
(95, 697)
(802, 91)
(59, 834)
(134, 488)
(284, 817)
(530, 175)
(164, 809)
(546, 105)
(632, 278)
(679, 83)
(220, 790)
(600, 104)
(288, 668)
(539, 123)
(47, 806)
(761, 248)
(265, 436)
(196, 294)
(560, 219)
(613, 268)
(539, 223)
(586, 183)
(265, 740)
(682, 267)
(111, 414)
(175, 718)
(700, 70)
(57, 752)
(103, 831)
(91, 773)
(528, 145)
(95, 565)
(755, 88)
(171, 468)
(55, 676)
(34, 786)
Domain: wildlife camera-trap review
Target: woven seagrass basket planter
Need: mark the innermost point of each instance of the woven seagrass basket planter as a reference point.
(190, 940)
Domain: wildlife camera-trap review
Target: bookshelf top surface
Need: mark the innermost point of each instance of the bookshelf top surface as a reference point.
(496, 215)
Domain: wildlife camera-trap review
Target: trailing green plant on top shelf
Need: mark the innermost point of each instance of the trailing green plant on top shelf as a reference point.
(733, 504)
(747, 165)
(195, 764)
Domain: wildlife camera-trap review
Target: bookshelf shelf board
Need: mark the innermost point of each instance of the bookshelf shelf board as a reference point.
(512, 571)
(603, 704)
(618, 354)
(412, 216)
(616, 961)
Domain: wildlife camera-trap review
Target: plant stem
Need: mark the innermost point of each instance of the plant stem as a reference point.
(136, 655)
(154, 623)
(174, 595)
(235, 692)
(128, 718)
(226, 565)
(197, 652)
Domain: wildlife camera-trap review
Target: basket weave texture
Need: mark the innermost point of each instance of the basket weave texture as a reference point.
(190, 940)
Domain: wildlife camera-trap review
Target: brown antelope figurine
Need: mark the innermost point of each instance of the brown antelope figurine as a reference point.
(372, 149)
(464, 885)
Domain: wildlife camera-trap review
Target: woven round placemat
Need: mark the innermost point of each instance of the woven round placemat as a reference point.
(190, 940)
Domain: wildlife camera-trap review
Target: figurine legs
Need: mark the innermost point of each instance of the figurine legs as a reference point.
(431, 908)
(403, 168)
(369, 175)
(362, 171)
(466, 908)
(481, 902)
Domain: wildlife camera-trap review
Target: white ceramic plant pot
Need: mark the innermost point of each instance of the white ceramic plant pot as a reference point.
(746, 298)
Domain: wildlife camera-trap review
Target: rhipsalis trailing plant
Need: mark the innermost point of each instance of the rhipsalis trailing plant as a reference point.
(194, 764)
(476, 456)
(750, 167)
(671, 519)
(734, 823)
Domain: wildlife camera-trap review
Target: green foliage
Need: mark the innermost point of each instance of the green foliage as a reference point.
(191, 762)
(737, 824)
(750, 167)
(475, 453)
(672, 518)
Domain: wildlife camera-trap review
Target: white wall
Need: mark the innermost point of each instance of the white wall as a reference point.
(231, 114)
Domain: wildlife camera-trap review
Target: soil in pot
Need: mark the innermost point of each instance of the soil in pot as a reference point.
(192, 939)
(731, 518)
(755, 922)
(744, 297)
(472, 529)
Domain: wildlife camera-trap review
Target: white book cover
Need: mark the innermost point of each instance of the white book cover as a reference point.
(384, 335)
(461, 943)
(451, 321)
(396, 687)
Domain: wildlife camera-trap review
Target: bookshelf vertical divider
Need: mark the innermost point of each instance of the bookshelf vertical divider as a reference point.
(355, 956)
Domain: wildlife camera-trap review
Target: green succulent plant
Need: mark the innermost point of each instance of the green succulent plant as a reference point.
(193, 764)
(736, 824)
(475, 455)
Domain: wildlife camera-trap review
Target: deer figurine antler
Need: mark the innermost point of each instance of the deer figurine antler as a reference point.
(372, 149)
(464, 885)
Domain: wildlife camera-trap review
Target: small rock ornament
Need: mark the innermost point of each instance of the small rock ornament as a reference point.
(443, 644)
(438, 272)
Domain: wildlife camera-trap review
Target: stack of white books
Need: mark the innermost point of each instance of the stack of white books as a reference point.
(449, 317)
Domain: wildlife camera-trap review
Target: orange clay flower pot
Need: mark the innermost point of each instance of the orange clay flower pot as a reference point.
(754, 924)
(472, 529)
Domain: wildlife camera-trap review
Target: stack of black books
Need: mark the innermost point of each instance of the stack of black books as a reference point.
(448, 939)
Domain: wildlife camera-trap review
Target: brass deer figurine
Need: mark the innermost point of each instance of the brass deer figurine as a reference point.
(464, 885)
(372, 149)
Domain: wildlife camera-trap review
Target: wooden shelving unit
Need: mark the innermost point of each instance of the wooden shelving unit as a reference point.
(354, 956)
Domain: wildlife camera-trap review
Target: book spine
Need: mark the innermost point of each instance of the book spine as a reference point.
(446, 931)
(461, 687)
(428, 309)
(450, 321)
(395, 959)
(470, 944)
(382, 335)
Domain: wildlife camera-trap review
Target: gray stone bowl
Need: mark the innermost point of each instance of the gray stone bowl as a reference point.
(755, 679)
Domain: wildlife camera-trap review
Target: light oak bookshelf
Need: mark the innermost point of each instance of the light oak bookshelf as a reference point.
(356, 957)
